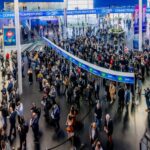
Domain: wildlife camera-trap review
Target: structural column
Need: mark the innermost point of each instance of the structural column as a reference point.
(18, 46)
(65, 18)
(140, 25)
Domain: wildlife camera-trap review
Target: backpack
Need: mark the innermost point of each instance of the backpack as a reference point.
(10, 86)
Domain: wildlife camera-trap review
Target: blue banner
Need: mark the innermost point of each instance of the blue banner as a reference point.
(9, 36)
(33, 14)
(136, 20)
(91, 68)
(106, 3)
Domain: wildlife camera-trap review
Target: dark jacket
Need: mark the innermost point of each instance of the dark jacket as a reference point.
(98, 112)
(35, 124)
(109, 126)
(12, 118)
(95, 135)
(121, 94)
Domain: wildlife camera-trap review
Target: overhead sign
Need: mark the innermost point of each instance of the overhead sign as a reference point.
(9, 36)
(96, 70)
(33, 14)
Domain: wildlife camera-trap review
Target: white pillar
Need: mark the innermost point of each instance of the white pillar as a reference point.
(18, 46)
(140, 25)
(65, 18)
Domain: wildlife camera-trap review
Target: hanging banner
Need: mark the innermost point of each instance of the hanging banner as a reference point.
(144, 19)
(91, 68)
(102, 11)
(136, 19)
(9, 36)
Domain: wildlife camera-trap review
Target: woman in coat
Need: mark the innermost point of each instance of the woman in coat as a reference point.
(108, 127)
(112, 91)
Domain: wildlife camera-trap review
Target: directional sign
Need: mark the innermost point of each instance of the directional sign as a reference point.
(34, 14)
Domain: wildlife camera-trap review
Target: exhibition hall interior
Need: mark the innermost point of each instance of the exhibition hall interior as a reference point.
(74, 75)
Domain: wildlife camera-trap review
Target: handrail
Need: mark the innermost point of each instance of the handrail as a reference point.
(112, 75)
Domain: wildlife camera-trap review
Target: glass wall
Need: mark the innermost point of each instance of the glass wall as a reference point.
(80, 4)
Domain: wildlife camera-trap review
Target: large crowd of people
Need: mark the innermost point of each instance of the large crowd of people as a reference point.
(56, 77)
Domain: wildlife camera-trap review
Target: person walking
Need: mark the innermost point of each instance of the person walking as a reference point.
(23, 129)
(147, 98)
(12, 120)
(5, 113)
(98, 114)
(34, 123)
(20, 111)
(93, 133)
(30, 76)
(40, 78)
(127, 97)
(108, 127)
(112, 91)
(139, 81)
(55, 115)
(121, 96)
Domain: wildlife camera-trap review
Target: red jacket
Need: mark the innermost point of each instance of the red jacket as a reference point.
(7, 56)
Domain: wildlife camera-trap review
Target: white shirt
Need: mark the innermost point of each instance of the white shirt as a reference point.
(19, 109)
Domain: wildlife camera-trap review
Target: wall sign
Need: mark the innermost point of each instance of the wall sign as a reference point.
(9, 36)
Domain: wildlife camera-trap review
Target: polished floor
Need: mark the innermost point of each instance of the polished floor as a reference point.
(129, 127)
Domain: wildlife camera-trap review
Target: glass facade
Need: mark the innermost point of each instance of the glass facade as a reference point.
(106, 3)
(80, 4)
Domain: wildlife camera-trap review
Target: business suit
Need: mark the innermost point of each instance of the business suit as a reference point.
(12, 121)
(121, 94)
(109, 127)
(34, 123)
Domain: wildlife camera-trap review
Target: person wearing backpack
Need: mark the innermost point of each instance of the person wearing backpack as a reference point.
(23, 129)
(127, 97)
(4, 93)
(5, 113)
(10, 86)
(147, 98)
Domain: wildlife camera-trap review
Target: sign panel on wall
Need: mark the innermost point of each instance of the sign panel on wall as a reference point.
(9, 36)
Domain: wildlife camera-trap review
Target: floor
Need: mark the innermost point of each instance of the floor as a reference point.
(128, 127)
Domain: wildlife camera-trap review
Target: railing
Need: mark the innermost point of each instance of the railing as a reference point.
(93, 69)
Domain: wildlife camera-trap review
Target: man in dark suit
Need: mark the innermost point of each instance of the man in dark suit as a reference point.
(108, 127)
(23, 130)
(12, 120)
(121, 95)
(34, 123)
(55, 115)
